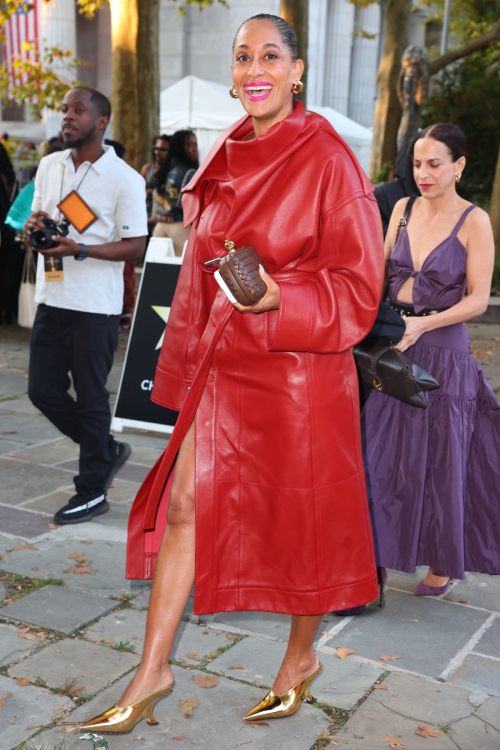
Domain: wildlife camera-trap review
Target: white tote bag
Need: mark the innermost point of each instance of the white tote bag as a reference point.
(27, 305)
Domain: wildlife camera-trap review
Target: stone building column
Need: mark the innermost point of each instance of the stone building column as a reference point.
(337, 60)
(318, 13)
(58, 26)
(364, 64)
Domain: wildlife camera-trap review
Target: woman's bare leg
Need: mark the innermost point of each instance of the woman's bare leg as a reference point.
(173, 581)
(300, 659)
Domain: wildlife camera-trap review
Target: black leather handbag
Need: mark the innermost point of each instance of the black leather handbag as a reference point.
(393, 373)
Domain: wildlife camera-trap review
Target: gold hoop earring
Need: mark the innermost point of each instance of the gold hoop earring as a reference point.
(458, 177)
(232, 92)
(298, 87)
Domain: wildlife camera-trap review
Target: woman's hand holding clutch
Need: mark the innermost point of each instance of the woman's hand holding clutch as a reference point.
(270, 301)
(415, 327)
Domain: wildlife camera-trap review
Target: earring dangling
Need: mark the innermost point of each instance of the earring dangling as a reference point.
(458, 177)
(297, 87)
(232, 92)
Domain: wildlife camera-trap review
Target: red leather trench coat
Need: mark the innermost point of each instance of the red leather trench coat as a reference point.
(282, 521)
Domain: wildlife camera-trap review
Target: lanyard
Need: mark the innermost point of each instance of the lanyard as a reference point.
(79, 184)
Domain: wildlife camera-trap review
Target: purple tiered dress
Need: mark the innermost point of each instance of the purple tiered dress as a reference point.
(433, 475)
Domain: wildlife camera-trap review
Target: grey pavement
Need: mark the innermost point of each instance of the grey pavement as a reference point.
(71, 644)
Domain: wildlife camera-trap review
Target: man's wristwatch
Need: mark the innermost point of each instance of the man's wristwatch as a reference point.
(83, 252)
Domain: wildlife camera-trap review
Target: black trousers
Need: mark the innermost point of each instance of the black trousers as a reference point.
(69, 341)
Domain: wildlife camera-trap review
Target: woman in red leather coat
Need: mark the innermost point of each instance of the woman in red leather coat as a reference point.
(266, 452)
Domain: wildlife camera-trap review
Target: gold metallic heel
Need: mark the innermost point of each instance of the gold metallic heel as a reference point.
(277, 706)
(121, 719)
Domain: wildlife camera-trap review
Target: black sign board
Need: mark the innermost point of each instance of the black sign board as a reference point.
(134, 407)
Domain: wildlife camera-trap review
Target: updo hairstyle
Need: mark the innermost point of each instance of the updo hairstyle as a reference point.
(288, 35)
(449, 134)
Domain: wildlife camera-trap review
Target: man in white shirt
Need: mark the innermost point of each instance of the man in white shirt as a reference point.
(77, 321)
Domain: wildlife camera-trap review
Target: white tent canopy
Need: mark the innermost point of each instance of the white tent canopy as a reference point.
(207, 108)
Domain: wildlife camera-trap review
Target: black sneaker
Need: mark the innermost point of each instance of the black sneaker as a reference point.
(82, 508)
(119, 454)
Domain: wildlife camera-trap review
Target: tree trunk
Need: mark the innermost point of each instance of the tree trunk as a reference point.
(388, 108)
(135, 76)
(495, 208)
(296, 12)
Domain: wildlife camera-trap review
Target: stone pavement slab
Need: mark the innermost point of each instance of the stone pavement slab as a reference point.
(372, 722)
(9, 445)
(422, 700)
(478, 673)
(51, 452)
(70, 660)
(27, 706)
(106, 558)
(480, 590)
(12, 647)
(405, 581)
(58, 608)
(32, 428)
(24, 523)
(265, 623)
(474, 734)
(490, 641)
(2, 591)
(20, 405)
(489, 712)
(24, 481)
(426, 646)
(216, 723)
(341, 683)
(124, 624)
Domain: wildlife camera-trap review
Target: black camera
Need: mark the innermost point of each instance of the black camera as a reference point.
(41, 239)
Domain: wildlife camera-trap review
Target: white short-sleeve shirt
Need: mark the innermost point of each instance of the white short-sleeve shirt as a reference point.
(116, 194)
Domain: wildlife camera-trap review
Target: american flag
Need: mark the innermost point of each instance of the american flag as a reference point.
(21, 27)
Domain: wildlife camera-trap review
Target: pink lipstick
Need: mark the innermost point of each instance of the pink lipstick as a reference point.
(257, 91)
(425, 187)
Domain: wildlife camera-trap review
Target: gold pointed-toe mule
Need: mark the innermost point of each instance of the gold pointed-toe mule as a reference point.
(121, 719)
(277, 706)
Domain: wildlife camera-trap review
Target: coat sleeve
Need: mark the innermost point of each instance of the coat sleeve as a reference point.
(335, 308)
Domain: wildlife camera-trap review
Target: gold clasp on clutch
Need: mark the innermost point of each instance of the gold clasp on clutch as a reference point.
(230, 246)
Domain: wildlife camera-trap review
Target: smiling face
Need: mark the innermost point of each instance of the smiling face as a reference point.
(434, 170)
(81, 120)
(263, 73)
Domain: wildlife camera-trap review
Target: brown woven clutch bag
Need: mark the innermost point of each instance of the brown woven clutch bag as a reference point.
(239, 272)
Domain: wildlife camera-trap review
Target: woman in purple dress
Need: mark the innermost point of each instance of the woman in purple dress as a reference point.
(433, 475)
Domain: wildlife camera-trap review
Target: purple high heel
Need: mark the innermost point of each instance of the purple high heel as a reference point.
(381, 577)
(424, 590)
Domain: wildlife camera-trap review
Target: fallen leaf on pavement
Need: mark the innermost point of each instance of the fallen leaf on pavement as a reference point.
(206, 682)
(85, 541)
(187, 705)
(325, 632)
(2, 702)
(237, 666)
(460, 601)
(110, 640)
(28, 636)
(58, 650)
(140, 737)
(135, 637)
(179, 737)
(52, 526)
(413, 620)
(343, 653)
(212, 731)
(332, 742)
(380, 686)
(386, 657)
(230, 636)
(394, 741)
(22, 681)
(24, 546)
(205, 632)
(59, 708)
(76, 555)
(23, 630)
(192, 655)
(75, 689)
(41, 636)
(427, 731)
(7, 695)
(35, 567)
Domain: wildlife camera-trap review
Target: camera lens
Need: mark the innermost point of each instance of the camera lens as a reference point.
(41, 239)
